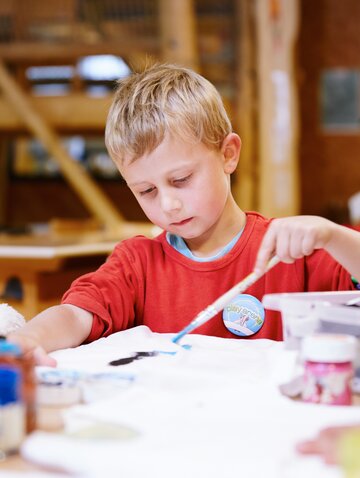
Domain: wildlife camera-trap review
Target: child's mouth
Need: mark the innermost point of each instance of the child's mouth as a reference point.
(182, 223)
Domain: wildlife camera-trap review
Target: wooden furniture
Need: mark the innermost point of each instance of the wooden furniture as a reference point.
(91, 195)
(45, 266)
(198, 34)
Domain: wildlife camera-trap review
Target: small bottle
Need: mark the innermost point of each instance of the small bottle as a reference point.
(12, 413)
(328, 368)
(11, 356)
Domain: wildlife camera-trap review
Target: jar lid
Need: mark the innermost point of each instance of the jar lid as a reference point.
(9, 348)
(329, 348)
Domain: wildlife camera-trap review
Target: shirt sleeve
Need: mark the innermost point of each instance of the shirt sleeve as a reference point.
(323, 273)
(111, 293)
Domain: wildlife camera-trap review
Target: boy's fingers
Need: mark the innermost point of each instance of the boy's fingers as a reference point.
(308, 245)
(310, 447)
(265, 252)
(42, 358)
(262, 259)
(29, 347)
(326, 444)
(327, 449)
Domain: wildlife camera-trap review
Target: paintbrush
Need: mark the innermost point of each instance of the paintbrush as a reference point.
(223, 300)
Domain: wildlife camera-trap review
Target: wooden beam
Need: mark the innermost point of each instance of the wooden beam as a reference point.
(92, 196)
(71, 113)
(277, 26)
(3, 178)
(244, 186)
(47, 53)
(179, 33)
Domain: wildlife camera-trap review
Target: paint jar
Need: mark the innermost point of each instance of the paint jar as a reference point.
(11, 356)
(12, 412)
(328, 368)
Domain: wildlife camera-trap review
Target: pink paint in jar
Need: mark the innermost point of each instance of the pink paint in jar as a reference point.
(328, 368)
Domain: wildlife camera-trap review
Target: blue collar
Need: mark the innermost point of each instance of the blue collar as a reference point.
(179, 244)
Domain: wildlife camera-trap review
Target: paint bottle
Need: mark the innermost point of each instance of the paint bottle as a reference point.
(328, 368)
(11, 356)
(12, 412)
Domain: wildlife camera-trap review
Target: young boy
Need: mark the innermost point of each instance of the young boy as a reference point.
(169, 135)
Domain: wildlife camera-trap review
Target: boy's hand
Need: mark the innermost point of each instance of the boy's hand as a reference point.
(327, 443)
(29, 345)
(291, 238)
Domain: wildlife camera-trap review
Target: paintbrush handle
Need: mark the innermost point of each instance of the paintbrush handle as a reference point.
(223, 300)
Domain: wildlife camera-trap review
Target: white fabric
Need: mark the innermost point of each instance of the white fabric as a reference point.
(10, 319)
(211, 411)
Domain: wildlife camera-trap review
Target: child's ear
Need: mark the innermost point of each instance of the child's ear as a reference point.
(230, 150)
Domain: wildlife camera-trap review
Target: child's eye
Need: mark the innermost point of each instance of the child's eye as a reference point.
(182, 180)
(146, 191)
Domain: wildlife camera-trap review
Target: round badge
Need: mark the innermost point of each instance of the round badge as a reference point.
(244, 316)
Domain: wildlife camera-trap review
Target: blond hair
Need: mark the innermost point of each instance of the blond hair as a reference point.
(164, 99)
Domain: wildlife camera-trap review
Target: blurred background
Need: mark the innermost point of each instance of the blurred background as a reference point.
(288, 71)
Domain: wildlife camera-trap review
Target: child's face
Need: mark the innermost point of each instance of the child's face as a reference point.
(183, 188)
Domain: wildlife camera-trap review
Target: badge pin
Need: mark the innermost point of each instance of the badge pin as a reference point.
(244, 316)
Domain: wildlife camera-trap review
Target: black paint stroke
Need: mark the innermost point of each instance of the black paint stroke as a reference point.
(132, 358)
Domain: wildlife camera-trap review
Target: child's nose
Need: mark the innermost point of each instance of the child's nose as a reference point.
(170, 203)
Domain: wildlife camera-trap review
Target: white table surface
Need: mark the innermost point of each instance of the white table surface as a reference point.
(212, 411)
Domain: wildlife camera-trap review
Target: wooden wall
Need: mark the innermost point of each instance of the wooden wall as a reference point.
(39, 200)
(330, 161)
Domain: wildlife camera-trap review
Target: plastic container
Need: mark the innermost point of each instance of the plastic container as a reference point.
(305, 313)
(11, 356)
(328, 368)
(12, 413)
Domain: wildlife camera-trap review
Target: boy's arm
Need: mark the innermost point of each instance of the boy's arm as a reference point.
(344, 246)
(57, 327)
(291, 238)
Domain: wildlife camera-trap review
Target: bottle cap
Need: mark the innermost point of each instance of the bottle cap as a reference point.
(329, 348)
(9, 385)
(9, 348)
